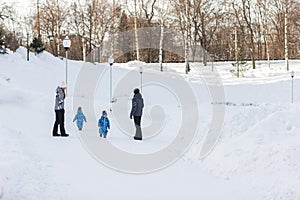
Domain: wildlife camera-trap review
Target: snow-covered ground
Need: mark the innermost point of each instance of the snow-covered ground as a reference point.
(256, 157)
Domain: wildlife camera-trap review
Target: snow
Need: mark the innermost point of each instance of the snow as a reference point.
(256, 157)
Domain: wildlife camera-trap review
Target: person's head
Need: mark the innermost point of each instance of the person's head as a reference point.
(63, 86)
(136, 91)
(104, 113)
(79, 108)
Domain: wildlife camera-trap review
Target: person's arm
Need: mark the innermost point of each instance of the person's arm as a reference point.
(84, 118)
(75, 118)
(108, 123)
(99, 122)
(60, 97)
(133, 108)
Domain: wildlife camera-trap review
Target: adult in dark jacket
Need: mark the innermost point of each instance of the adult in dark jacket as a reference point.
(59, 112)
(137, 112)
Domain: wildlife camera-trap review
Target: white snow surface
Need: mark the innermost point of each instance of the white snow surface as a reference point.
(257, 156)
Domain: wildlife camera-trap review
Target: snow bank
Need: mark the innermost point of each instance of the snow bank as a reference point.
(266, 155)
(257, 156)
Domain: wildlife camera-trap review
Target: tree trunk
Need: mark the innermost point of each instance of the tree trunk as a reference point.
(186, 38)
(253, 51)
(236, 52)
(186, 53)
(136, 32)
(286, 46)
(83, 49)
(161, 42)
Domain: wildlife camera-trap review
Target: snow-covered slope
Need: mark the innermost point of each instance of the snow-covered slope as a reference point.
(257, 156)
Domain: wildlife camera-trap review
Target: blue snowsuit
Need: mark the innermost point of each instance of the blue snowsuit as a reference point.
(79, 118)
(103, 124)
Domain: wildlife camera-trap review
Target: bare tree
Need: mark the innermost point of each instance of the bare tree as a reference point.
(294, 29)
(92, 22)
(163, 14)
(51, 22)
(286, 26)
(245, 19)
(231, 29)
(183, 18)
(77, 25)
(206, 19)
(264, 14)
(136, 32)
(10, 28)
(148, 8)
(5, 11)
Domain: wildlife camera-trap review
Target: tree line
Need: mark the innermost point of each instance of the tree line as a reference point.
(227, 30)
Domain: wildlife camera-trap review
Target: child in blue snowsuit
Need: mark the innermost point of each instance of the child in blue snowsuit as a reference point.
(79, 118)
(103, 124)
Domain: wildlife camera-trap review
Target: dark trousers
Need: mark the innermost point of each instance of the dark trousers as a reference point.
(137, 123)
(59, 120)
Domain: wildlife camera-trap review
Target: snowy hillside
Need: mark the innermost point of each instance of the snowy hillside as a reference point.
(256, 157)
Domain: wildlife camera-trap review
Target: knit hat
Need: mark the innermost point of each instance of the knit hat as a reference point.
(104, 112)
(63, 85)
(136, 91)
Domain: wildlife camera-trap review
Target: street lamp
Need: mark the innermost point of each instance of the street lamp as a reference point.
(111, 62)
(67, 44)
(27, 45)
(141, 72)
(292, 76)
(98, 52)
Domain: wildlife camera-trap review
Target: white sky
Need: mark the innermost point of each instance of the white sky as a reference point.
(23, 7)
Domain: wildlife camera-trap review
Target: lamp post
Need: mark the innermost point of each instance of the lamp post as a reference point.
(27, 45)
(98, 53)
(292, 76)
(67, 44)
(141, 72)
(111, 62)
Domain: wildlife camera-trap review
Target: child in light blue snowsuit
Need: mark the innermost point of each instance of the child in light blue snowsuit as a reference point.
(103, 124)
(79, 118)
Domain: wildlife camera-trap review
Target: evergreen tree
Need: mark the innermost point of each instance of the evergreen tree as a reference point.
(2, 41)
(37, 45)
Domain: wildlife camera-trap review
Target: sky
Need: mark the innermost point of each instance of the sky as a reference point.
(24, 6)
(21, 6)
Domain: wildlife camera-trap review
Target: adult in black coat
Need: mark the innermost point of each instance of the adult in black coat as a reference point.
(137, 112)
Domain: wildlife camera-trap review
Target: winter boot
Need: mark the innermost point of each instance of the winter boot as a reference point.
(65, 135)
(137, 138)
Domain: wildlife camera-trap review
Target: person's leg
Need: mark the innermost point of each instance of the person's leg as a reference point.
(62, 123)
(137, 122)
(80, 125)
(55, 127)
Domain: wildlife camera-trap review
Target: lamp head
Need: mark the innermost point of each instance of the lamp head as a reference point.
(67, 43)
(292, 74)
(111, 60)
(141, 69)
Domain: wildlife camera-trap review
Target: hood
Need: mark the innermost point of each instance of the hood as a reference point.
(138, 96)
